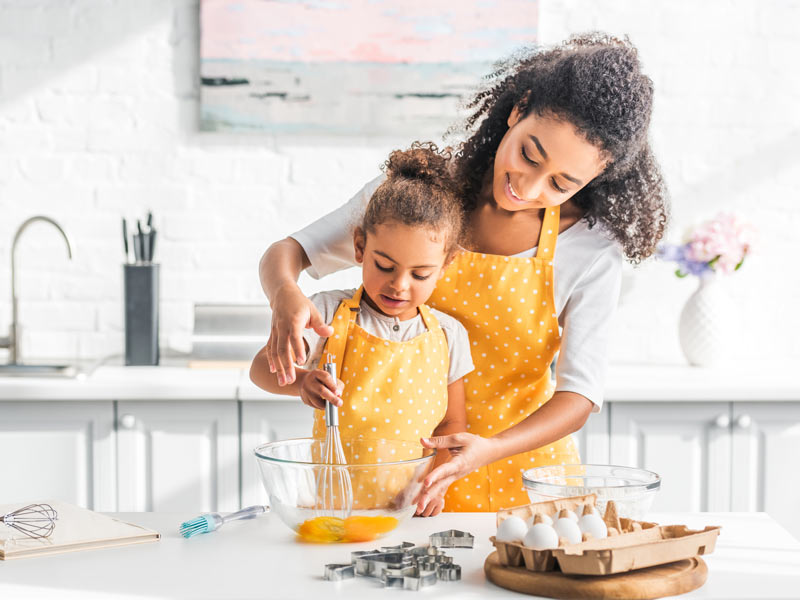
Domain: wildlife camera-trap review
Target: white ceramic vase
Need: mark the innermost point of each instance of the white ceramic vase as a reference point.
(706, 323)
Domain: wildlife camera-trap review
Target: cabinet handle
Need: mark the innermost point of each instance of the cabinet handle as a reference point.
(127, 421)
(744, 421)
(722, 421)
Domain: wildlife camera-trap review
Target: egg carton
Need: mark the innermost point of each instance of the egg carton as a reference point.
(630, 545)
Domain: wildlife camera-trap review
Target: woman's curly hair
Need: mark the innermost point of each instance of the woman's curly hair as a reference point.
(594, 81)
(419, 191)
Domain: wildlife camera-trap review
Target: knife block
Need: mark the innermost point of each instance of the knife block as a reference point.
(141, 314)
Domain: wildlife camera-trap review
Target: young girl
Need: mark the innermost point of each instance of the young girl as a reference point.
(558, 183)
(401, 364)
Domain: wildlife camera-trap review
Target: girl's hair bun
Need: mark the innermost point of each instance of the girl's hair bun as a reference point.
(423, 162)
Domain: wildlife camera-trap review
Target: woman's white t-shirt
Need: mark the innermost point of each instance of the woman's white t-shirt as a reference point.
(587, 273)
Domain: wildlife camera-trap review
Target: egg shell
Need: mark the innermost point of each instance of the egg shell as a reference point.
(571, 515)
(567, 528)
(593, 525)
(541, 537)
(545, 519)
(512, 529)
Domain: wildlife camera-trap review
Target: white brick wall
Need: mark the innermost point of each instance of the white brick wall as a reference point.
(98, 113)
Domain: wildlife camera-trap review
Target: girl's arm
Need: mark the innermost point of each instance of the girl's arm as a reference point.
(454, 421)
(314, 387)
(564, 413)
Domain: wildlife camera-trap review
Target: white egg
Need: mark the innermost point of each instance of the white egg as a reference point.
(570, 514)
(512, 529)
(541, 537)
(593, 525)
(545, 519)
(567, 528)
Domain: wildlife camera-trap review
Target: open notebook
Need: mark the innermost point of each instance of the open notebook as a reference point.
(76, 529)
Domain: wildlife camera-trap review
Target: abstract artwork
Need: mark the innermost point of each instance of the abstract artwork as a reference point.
(351, 67)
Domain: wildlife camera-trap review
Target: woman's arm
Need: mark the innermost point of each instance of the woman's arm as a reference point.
(278, 270)
(564, 413)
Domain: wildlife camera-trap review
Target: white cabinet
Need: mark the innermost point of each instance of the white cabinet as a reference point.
(766, 444)
(714, 456)
(58, 450)
(178, 456)
(267, 422)
(592, 439)
(687, 443)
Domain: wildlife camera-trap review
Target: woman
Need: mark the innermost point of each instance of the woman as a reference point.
(558, 152)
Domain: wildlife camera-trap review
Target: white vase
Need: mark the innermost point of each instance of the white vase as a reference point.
(706, 323)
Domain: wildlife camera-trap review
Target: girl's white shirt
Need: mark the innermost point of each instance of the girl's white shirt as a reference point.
(390, 328)
(587, 274)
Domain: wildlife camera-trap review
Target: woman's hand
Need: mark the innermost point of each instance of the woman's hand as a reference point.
(467, 453)
(291, 313)
(318, 387)
(433, 507)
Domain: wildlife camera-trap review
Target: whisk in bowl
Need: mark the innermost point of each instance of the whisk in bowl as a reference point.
(37, 521)
(334, 488)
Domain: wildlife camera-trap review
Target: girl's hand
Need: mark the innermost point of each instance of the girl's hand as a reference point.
(467, 453)
(434, 507)
(291, 313)
(318, 387)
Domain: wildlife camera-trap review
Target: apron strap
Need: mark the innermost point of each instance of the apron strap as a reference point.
(343, 319)
(549, 233)
(428, 319)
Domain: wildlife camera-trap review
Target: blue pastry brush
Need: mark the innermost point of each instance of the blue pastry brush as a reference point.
(212, 521)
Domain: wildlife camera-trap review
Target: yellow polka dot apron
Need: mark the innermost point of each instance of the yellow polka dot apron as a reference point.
(507, 306)
(392, 390)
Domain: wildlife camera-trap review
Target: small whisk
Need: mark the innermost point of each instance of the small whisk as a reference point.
(35, 520)
(334, 488)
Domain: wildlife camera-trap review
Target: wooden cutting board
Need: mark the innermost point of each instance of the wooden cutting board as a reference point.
(654, 582)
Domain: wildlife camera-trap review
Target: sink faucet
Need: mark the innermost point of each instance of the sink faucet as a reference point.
(12, 341)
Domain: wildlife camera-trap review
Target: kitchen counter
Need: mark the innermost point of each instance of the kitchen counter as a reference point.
(754, 558)
(625, 383)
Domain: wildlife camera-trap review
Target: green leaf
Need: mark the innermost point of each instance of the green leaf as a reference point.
(741, 262)
(680, 273)
(714, 260)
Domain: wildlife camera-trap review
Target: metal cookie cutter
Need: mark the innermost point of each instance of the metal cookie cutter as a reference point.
(452, 538)
(405, 546)
(410, 578)
(393, 578)
(334, 572)
(449, 572)
(372, 564)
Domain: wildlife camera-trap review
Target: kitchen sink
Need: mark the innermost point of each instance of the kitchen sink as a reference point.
(38, 371)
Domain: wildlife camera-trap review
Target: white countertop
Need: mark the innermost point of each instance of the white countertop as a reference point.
(754, 558)
(625, 383)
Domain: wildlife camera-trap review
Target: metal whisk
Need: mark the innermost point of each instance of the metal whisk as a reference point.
(35, 520)
(334, 488)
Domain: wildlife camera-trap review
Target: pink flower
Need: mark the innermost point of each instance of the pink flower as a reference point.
(723, 242)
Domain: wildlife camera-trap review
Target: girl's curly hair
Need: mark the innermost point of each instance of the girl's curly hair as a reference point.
(593, 81)
(420, 192)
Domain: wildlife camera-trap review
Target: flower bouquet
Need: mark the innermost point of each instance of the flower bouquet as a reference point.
(719, 245)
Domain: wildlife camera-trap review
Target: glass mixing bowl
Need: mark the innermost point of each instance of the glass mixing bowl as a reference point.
(386, 477)
(632, 490)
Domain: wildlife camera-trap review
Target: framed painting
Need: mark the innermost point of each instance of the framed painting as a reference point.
(351, 67)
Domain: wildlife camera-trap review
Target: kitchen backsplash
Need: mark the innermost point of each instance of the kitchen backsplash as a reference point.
(98, 119)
